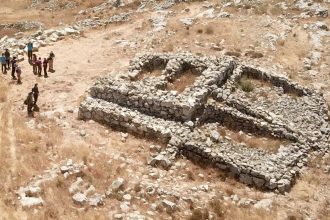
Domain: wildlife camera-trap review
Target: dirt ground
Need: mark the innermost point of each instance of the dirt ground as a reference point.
(26, 152)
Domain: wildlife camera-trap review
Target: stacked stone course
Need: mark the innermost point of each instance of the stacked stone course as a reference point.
(145, 107)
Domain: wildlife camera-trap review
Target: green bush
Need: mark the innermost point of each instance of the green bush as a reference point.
(246, 85)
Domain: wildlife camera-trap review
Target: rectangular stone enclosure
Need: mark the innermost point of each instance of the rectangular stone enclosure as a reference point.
(221, 93)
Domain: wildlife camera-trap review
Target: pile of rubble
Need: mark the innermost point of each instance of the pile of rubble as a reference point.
(22, 25)
(42, 38)
(146, 107)
(30, 195)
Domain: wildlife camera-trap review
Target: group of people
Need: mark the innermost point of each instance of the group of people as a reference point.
(7, 63)
(46, 65)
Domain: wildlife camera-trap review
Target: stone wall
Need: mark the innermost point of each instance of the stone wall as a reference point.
(143, 107)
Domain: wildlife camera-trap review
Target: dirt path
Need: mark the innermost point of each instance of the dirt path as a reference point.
(8, 146)
(12, 144)
(1, 126)
(78, 63)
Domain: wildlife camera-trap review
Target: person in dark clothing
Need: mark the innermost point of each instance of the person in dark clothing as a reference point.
(13, 69)
(34, 64)
(35, 91)
(29, 103)
(45, 64)
(7, 55)
(39, 66)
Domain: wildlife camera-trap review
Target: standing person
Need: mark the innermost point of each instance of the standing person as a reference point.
(18, 72)
(3, 64)
(35, 91)
(29, 103)
(39, 66)
(13, 62)
(34, 64)
(51, 61)
(30, 49)
(45, 63)
(7, 55)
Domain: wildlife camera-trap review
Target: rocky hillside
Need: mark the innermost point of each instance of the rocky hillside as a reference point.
(130, 56)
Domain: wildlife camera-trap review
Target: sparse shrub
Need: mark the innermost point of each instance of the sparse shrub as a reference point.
(85, 159)
(137, 187)
(36, 149)
(200, 214)
(281, 42)
(217, 207)
(233, 53)
(60, 182)
(199, 31)
(222, 132)
(51, 213)
(82, 34)
(190, 175)
(246, 85)
(229, 191)
(209, 30)
(168, 48)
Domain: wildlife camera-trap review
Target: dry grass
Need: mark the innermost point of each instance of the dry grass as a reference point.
(200, 214)
(17, 10)
(180, 84)
(269, 144)
(209, 30)
(168, 48)
(81, 3)
(25, 135)
(7, 32)
(146, 74)
(3, 93)
(16, 4)
(224, 210)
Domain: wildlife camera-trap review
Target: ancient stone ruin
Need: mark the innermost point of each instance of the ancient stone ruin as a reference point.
(192, 103)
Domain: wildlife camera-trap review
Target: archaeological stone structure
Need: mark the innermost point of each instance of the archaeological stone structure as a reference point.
(145, 102)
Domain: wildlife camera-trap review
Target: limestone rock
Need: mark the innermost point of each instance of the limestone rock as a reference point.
(79, 199)
(162, 161)
(264, 204)
(96, 200)
(117, 184)
(31, 202)
(169, 206)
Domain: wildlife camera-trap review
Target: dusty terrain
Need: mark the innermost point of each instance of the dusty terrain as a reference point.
(31, 146)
